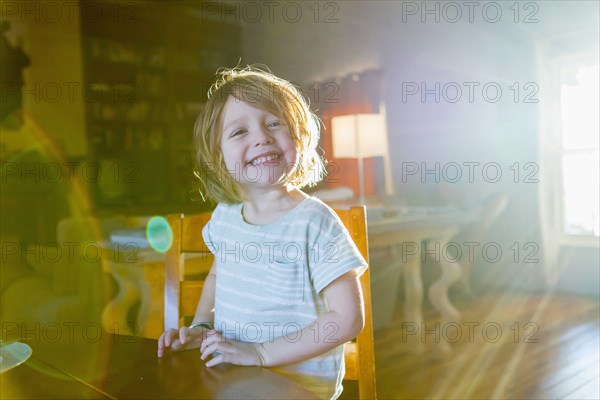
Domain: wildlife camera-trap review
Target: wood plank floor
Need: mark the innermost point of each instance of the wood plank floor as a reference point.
(507, 346)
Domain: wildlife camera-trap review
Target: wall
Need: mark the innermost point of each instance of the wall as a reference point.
(498, 133)
(52, 93)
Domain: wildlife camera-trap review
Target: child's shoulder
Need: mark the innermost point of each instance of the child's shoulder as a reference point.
(311, 208)
(317, 209)
(224, 210)
(317, 204)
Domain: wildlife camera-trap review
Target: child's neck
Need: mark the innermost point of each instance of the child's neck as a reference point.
(264, 208)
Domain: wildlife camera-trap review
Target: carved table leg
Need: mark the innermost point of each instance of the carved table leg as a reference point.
(438, 292)
(413, 313)
(153, 299)
(114, 315)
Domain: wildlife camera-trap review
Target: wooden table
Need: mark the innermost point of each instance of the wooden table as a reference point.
(406, 235)
(123, 367)
(36, 379)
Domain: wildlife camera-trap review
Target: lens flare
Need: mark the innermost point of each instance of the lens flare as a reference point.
(159, 234)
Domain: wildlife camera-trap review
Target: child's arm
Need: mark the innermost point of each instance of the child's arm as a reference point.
(187, 338)
(343, 322)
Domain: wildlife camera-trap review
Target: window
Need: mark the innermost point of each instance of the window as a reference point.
(579, 105)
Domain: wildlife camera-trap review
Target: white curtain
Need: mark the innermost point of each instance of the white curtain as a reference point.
(549, 160)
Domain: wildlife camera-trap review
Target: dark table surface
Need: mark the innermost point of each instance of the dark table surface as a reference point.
(113, 366)
(35, 379)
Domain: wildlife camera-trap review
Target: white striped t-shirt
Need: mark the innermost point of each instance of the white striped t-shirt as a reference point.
(269, 279)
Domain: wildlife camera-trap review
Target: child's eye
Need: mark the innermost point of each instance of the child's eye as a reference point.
(238, 132)
(274, 123)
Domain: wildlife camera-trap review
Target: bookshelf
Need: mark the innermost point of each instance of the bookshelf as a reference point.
(145, 81)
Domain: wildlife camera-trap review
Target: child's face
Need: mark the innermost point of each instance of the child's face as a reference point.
(257, 147)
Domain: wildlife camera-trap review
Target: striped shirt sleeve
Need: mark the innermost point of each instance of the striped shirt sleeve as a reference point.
(333, 252)
(210, 231)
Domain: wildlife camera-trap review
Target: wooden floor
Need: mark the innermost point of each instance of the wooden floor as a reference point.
(507, 346)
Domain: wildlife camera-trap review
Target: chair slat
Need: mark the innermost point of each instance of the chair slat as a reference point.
(351, 361)
(198, 265)
(190, 296)
(191, 233)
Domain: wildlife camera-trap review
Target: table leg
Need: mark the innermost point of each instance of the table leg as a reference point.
(114, 315)
(154, 276)
(413, 313)
(438, 292)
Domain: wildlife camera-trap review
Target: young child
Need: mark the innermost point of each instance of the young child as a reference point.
(284, 284)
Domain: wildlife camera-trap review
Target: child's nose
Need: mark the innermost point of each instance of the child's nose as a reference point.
(262, 136)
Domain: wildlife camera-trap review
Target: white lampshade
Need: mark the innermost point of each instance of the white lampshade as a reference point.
(359, 136)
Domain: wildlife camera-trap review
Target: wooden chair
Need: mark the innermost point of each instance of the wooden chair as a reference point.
(182, 295)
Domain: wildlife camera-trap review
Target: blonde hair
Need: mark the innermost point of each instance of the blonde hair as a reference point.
(259, 88)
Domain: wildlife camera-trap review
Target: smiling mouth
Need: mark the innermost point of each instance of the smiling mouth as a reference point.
(265, 159)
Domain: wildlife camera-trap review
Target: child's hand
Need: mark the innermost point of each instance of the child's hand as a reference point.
(231, 351)
(183, 339)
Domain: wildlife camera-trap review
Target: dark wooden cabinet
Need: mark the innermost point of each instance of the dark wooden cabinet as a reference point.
(147, 68)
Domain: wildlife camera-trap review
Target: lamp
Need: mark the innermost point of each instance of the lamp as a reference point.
(361, 136)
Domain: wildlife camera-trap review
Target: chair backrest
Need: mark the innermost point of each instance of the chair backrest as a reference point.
(182, 295)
